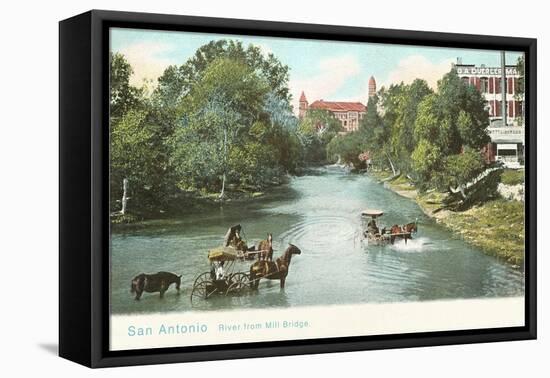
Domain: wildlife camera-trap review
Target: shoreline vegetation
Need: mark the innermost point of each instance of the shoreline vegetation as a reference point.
(496, 226)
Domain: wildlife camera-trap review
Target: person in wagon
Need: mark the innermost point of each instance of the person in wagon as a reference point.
(233, 239)
(217, 273)
(372, 228)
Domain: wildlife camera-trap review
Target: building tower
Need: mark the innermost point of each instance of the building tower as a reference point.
(303, 106)
(372, 86)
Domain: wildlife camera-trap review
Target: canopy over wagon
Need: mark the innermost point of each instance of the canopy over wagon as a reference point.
(373, 213)
(224, 254)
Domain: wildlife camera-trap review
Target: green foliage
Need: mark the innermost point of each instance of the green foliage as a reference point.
(449, 121)
(237, 126)
(461, 168)
(223, 114)
(403, 136)
(315, 131)
(135, 157)
(520, 86)
(178, 81)
(513, 177)
(138, 150)
(348, 147)
(251, 166)
(123, 96)
(427, 160)
(373, 127)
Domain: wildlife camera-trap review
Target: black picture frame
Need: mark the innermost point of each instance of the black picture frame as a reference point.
(83, 194)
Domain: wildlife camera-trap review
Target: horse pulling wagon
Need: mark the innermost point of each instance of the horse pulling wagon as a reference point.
(222, 278)
(383, 236)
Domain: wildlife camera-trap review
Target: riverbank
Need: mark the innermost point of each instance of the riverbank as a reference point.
(193, 200)
(497, 227)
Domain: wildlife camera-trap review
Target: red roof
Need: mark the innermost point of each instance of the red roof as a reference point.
(303, 97)
(338, 106)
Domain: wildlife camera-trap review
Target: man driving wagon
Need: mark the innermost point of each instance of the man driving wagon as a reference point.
(233, 239)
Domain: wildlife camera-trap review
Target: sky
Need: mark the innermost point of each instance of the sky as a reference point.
(328, 70)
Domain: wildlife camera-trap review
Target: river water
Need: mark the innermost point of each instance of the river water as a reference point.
(319, 213)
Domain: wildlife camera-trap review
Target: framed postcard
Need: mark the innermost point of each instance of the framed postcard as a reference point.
(234, 188)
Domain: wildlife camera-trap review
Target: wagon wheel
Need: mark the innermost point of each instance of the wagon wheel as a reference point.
(239, 282)
(202, 287)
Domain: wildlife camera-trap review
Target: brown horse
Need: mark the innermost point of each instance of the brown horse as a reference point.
(265, 248)
(273, 270)
(152, 283)
(404, 232)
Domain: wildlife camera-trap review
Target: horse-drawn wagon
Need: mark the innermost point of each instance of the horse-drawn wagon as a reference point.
(221, 279)
(377, 236)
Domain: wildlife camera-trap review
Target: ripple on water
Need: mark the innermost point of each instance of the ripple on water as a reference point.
(320, 233)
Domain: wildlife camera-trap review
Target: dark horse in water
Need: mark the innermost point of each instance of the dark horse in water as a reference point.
(152, 283)
(404, 232)
(273, 270)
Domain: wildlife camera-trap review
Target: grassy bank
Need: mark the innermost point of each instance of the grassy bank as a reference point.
(497, 227)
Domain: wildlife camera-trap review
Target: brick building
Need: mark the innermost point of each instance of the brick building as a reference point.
(348, 113)
(488, 80)
(507, 137)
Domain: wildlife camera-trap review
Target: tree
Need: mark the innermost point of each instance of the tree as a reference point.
(123, 96)
(403, 137)
(220, 121)
(375, 127)
(459, 169)
(448, 122)
(138, 132)
(178, 81)
(315, 131)
(520, 87)
(134, 158)
(220, 111)
(282, 131)
(348, 147)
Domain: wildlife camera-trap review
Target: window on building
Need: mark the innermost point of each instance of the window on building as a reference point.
(498, 108)
(466, 80)
(489, 109)
(483, 85)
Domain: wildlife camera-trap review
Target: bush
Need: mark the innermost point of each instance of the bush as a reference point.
(513, 177)
(461, 168)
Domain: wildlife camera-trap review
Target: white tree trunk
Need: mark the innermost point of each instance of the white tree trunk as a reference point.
(391, 164)
(124, 196)
(222, 193)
